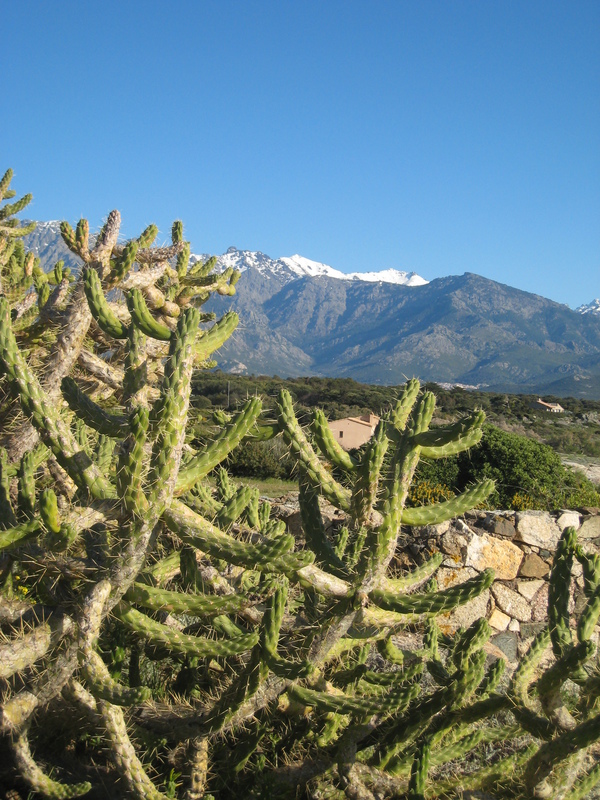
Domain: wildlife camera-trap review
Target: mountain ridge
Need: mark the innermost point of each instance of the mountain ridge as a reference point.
(298, 318)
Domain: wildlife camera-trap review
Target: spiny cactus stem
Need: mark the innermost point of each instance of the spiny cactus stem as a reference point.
(45, 417)
(37, 779)
(19, 534)
(25, 649)
(553, 752)
(200, 533)
(180, 642)
(415, 576)
(328, 446)
(302, 450)
(559, 593)
(220, 448)
(405, 403)
(124, 755)
(440, 512)
(434, 602)
(176, 602)
(105, 688)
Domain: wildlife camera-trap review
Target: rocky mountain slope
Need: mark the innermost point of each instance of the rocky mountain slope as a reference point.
(300, 317)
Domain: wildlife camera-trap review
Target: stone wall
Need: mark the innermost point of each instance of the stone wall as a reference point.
(519, 547)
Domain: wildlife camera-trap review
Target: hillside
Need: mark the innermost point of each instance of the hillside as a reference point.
(461, 329)
(299, 317)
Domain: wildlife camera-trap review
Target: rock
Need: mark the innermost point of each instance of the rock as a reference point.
(511, 602)
(463, 616)
(499, 620)
(533, 566)
(462, 527)
(580, 603)
(539, 605)
(293, 523)
(441, 528)
(531, 629)
(507, 642)
(485, 551)
(529, 589)
(590, 528)
(514, 625)
(453, 544)
(500, 525)
(569, 519)
(537, 528)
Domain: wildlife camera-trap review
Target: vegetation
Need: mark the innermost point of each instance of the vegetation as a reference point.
(577, 431)
(528, 473)
(210, 651)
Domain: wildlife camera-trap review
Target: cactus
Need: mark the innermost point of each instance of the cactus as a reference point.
(225, 638)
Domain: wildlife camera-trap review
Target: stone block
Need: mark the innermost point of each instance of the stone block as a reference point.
(500, 525)
(590, 528)
(539, 605)
(529, 589)
(499, 620)
(537, 528)
(502, 556)
(533, 566)
(511, 602)
(507, 642)
(453, 544)
(531, 629)
(569, 519)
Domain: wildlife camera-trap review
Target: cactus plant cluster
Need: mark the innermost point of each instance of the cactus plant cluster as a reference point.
(280, 658)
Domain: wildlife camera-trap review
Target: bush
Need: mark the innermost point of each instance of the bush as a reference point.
(528, 474)
(261, 460)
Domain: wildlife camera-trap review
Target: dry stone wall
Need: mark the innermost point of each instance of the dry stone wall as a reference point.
(518, 546)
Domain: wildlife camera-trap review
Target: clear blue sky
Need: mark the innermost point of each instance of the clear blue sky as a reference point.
(440, 136)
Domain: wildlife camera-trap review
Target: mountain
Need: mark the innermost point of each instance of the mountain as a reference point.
(294, 267)
(590, 308)
(460, 329)
(301, 317)
(46, 242)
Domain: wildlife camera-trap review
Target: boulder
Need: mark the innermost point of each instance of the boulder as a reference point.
(539, 605)
(507, 642)
(529, 589)
(500, 525)
(453, 544)
(569, 519)
(499, 620)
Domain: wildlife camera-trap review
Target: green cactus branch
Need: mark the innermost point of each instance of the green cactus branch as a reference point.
(180, 642)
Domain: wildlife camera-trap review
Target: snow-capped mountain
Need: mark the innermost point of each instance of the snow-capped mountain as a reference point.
(590, 308)
(292, 267)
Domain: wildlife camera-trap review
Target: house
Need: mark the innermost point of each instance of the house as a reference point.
(554, 408)
(353, 432)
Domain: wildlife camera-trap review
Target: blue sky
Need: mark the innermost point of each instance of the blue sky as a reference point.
(440, 136)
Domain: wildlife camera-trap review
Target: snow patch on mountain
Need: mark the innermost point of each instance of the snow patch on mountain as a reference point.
(590, 308)
(292, 267)
(304, 266)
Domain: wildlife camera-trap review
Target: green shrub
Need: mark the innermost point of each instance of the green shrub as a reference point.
(528, 474)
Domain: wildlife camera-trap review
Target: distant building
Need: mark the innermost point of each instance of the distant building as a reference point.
(353, 432)
(554, 408)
